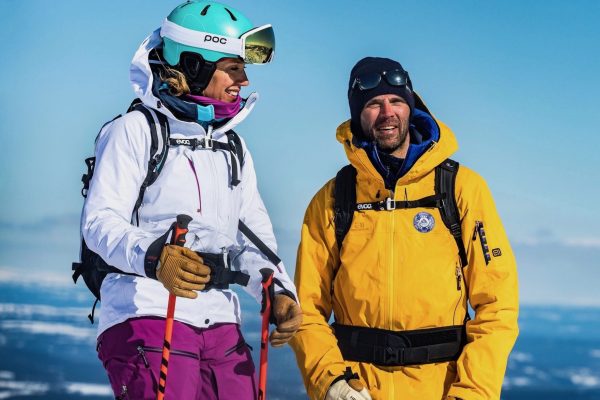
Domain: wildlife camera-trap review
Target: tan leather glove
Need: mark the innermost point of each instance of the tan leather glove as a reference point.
(182, 271)
(288, 316)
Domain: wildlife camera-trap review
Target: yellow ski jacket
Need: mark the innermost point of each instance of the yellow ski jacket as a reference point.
(389, 275)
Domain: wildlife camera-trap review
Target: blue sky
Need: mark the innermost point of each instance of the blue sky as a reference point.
(517, 82)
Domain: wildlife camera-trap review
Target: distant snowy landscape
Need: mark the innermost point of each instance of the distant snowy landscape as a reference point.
(47, 348)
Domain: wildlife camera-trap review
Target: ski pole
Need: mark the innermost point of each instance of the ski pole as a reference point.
(180, 228)
(267, 298)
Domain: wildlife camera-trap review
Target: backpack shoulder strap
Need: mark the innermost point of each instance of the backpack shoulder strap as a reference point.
(159, 146)
(237, 156)
(344, 193)
(262, 246)
(445, 183)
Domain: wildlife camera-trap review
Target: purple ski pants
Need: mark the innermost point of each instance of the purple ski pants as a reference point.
(209, 364)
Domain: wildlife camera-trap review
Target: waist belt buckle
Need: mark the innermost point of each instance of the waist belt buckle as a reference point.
(388, 355)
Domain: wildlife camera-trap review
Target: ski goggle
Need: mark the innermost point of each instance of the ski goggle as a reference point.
(256, 46)
(370, 80)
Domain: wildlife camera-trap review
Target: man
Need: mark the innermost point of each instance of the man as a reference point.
(398, 280)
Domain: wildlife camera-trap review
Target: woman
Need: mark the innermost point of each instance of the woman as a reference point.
(191, 71)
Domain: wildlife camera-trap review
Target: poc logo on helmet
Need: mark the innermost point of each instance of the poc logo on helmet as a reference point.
(367, 206)
(183, 141)
(215, 39)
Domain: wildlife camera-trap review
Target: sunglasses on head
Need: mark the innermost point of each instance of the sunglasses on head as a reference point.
(370, 80)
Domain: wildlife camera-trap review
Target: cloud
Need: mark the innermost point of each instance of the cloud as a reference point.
(49, 328)
(45, 224)
(519, 381)
(42, 278)
(558, 271)
(34, 311)
(591, 242)
(8, 375)
(10, 388)
(584, 378)
(88, 389)
(521, 357)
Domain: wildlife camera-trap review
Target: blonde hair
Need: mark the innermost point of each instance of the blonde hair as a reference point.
(175, 80)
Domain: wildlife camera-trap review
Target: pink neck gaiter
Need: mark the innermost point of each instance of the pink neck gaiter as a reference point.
(222, 108)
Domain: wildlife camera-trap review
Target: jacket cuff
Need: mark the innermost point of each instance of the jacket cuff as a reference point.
(151, 249)
(322, 385)
(283, 290)
(287, 293)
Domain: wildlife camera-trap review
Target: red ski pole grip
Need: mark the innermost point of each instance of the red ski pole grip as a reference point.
(180, 229)
(268, 294)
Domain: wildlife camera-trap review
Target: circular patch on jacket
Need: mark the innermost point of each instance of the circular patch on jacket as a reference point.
(424, 222)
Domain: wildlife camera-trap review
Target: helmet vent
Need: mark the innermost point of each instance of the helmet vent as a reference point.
(231, 14)
(204, 10)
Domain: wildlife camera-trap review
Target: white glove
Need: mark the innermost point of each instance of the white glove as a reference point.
(341, 390)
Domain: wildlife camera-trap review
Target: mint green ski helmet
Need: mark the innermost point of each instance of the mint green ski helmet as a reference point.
(210, 29)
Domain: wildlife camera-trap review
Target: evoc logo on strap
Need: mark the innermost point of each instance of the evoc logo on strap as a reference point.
(184, 142)
(364, 206)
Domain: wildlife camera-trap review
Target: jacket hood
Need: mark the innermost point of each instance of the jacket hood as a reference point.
(142, 80)
(437, 143)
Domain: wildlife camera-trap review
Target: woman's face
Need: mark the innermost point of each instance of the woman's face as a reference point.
(227, 81)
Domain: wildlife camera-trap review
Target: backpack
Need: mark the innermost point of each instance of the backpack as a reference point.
(445, 177)
(91, 267)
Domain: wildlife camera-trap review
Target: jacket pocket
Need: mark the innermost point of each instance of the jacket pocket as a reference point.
(239, 346)
(183, 353)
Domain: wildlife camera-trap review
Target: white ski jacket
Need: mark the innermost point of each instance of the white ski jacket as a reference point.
(192, 182)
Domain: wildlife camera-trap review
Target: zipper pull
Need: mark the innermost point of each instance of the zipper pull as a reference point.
(225, 253)
(458, 278)
(142, 353)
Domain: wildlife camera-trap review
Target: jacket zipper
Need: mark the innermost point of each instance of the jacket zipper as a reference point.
(209, 134)
(392, 298)
(197, 185)
(238, 346)
(480, 231)
(142, 349)
(215, 185)
(390, 282)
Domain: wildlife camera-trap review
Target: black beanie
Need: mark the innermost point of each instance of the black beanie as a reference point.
(358, 98)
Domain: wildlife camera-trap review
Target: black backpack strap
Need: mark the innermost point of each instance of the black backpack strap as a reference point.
(445, 182)
(159, 147)
(270, 254)
(237, 156)
(90, 162)
(233, 146)
(344, 194)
